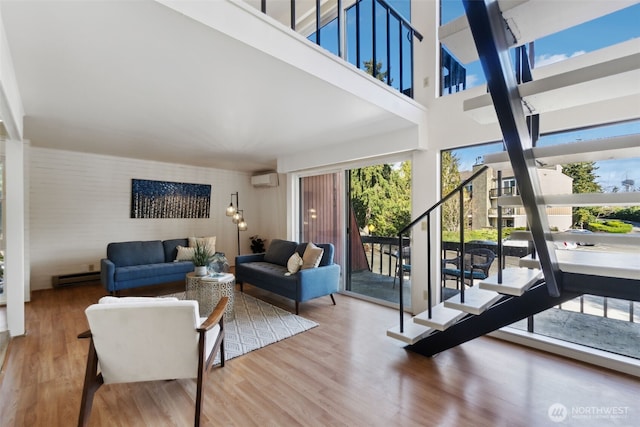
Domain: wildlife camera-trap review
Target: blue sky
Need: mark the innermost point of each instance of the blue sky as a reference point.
(606, 31)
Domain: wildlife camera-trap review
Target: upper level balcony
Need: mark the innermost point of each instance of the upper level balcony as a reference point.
(370, 34)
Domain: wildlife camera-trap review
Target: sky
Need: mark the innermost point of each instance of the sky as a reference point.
(606, 31)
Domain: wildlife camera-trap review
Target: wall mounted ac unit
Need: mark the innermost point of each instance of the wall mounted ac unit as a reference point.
(265, 180)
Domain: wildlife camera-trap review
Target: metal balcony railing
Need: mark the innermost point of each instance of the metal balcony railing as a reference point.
(371, 34)
(506, 191)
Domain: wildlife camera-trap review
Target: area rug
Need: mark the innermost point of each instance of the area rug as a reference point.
(257, 324)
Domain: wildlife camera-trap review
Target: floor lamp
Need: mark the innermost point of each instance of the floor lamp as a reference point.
(237, 216)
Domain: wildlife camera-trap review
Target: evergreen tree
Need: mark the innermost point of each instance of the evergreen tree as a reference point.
(381, 198)
(450, 180)
(380, 75)
(584, 181)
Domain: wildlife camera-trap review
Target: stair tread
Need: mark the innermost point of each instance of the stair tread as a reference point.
(515, 281)
(412, 333)
(579, 199)
(441, 317)
(593, 199)
(529, 262)
(619, 147)
(595, 238)
(476, 300)
(569, 87)
(596, 263)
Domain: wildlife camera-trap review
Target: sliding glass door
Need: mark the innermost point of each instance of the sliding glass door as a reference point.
(379, 206)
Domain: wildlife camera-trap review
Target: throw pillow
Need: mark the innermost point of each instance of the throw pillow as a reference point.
(208, 242)
(294, 263)
(312, 256)
(184, 254)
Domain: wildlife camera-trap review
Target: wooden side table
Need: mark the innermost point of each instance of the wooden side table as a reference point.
(208, 290)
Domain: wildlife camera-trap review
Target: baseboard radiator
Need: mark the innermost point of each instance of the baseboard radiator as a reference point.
(74, 278)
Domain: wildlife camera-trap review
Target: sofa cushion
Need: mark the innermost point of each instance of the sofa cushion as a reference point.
(185, 254)
(135, 272)
(207, 242)
(280, 251)
(171, 248)
(124, 254)
(295, 263)
(327, 255)
(311, 257)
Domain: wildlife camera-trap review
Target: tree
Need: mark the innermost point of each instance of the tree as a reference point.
(450, 180)
(380, 75)
(584, 181)
(381, 197)
(584, 177)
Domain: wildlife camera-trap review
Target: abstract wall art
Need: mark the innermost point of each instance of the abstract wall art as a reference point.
(163, 199)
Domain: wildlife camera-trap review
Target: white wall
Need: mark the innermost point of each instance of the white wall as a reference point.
(81, 202)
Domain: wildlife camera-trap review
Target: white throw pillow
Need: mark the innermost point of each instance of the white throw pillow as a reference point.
(294, 263)
(208, 242)
(184, 254)
(311, 256)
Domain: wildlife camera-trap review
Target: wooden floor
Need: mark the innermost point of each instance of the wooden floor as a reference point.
(345, 372)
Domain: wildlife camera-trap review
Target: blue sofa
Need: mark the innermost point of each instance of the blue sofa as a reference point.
(268, 271)
(141, 263)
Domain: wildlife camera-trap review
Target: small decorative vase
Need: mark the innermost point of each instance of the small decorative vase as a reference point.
(218, 264)
(200, 270)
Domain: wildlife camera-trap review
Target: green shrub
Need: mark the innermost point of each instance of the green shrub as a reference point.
(610, 226)
(627, 214)
(483, 234)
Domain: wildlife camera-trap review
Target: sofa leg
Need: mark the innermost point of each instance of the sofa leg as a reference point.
(297, 306)
(333, 299)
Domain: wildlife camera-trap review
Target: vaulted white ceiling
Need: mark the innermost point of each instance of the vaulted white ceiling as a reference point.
(138, 79)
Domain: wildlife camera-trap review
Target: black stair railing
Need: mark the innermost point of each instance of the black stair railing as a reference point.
(393, 52)
(427, 214)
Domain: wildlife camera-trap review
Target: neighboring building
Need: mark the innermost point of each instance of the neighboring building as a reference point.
(485, 199)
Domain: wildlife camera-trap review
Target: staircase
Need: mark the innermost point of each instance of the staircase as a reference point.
(550, 276)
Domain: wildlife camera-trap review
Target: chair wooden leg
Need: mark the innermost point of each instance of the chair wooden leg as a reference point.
(92, 382)
(196, 421)
(333, 299)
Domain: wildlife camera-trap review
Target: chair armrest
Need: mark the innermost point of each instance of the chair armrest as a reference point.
(107, 273)
(481, 266)
(216, 315)
(85, 334)
(453, 261)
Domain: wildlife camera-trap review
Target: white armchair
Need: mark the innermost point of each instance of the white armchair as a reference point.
(147, 339)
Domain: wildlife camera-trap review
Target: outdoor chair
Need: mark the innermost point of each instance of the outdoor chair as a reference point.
(149, 339)
(403, 267)
(476, 266)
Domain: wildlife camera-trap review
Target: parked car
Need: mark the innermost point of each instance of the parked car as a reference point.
(566, 245)
(581, 231)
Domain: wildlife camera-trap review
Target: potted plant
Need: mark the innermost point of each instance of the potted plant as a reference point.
(201, 258)
(257, 244)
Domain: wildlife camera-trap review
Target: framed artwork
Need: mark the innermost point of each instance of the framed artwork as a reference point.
(164, 199)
